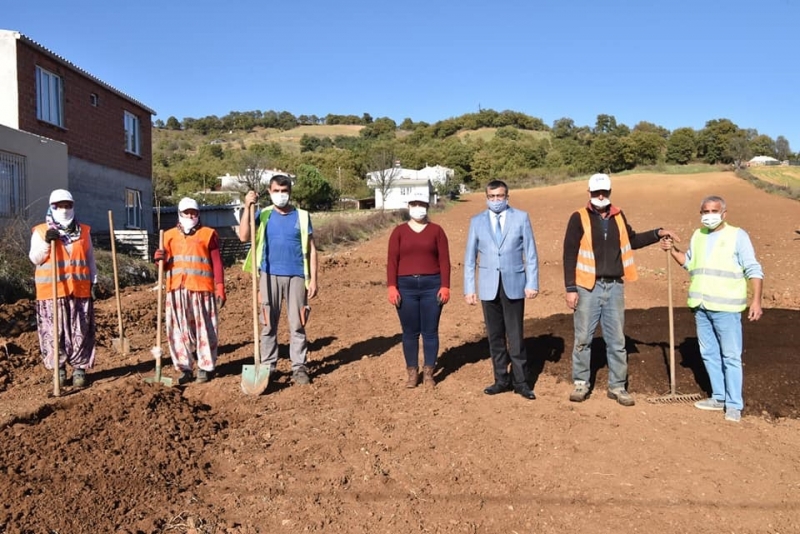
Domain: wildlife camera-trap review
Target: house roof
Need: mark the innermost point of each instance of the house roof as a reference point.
(763, 158)
(27, 40)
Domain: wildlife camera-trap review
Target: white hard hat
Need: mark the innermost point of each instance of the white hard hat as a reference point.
(187, 203)
(60, 195)
(419, 196)
(600, 182)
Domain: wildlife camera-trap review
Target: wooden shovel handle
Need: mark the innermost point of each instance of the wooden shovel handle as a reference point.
(56, 335)
(254, 265)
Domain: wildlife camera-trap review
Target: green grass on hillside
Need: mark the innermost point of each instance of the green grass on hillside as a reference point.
(787, 176)
(487, 134)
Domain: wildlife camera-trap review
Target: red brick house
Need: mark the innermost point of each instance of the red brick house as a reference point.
(46, 101)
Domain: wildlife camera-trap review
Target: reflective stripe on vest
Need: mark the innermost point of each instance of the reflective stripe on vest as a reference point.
(261, 231)
(585, 271)
(189, 262)
(74, 273)
(717, 280)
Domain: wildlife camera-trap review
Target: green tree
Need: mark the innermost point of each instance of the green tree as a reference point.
(782, 149)
(173, 123)
(647, 147)
(681, 146)
(714, 139)
(311, 190)
(739, 150)
(763, 145)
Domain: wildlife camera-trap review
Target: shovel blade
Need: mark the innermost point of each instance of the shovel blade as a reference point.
(255, 381)
(164, 380)
(121, 345)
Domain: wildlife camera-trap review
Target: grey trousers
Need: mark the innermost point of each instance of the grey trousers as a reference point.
(274, 291)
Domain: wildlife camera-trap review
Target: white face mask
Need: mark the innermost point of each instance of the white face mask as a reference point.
(600, 203)
(63, 216)
(711, 220)
(279, 199)
(417, 212)
(187, 223)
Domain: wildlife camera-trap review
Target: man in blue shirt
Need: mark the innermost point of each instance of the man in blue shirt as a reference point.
(288, 271)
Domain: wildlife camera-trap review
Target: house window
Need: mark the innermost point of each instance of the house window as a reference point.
(93, 99)
(132, 139)
(12, 185)
(133, 208)
(405, 191)
(49, 97)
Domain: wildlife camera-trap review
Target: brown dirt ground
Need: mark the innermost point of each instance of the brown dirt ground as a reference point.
(357, 452)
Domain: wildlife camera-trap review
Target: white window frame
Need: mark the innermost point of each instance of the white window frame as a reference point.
(133, 130)
(49, 97)
(133, 209)
(12, 185)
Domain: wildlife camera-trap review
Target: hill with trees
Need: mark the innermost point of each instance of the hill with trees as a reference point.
(332, 155)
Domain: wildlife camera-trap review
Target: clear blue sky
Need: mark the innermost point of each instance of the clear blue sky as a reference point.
(674, 63)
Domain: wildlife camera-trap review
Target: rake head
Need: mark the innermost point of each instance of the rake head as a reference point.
(675, 398)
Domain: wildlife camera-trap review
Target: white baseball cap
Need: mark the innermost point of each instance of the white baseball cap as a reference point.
(187, 203)
(600, 182)
(60, 195)
(420, 196)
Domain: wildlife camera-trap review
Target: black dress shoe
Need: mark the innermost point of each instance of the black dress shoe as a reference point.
(526, 392)
(496, 388)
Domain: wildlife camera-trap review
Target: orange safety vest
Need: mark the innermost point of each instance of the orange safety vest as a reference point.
(74, 273)
(585, 269)
(189, 263)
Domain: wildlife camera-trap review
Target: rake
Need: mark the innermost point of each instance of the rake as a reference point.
(672, 397)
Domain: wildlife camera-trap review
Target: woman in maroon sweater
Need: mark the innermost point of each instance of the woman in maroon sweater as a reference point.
(418, 276)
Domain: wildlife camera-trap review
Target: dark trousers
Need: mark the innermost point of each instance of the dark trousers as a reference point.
(503, 317)
(419, 314)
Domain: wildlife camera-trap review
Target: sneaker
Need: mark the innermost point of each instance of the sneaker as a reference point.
(710, 404)
(580, 393)
(203, 376)
(300, 376)
(732, 414)
(185, 378)
(79, 378)
(621, 396)
(62, 377)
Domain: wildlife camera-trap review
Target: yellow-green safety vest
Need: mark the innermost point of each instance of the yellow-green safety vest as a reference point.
(718, 281)
(261, 232)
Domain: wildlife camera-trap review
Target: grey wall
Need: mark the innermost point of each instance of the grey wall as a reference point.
(46, 168)
(98, 189)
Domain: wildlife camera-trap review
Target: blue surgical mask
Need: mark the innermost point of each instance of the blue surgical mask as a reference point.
(497, 206)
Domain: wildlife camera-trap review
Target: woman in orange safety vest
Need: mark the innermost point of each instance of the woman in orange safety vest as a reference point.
(195, 293)
(75, 276)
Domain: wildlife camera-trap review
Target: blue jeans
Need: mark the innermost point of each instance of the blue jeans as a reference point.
(419, 314)
(720, 338)
(604, 305)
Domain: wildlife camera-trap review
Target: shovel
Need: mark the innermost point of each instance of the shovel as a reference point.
(156, 351)
(56, 335)
(255, 378)
(120, 344)
(672, 397)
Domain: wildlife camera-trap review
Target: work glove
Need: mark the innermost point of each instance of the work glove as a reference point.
(94, 291)
(51, 235)
(443, 296)
(394, 296)
(220, 295)
(159, 255)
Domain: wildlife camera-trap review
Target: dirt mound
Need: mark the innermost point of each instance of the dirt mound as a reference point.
(108, 460)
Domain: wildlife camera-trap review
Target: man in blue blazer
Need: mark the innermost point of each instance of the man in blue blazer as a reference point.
(508, 273)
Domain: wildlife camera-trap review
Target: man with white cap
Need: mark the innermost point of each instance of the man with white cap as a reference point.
(76, 274)
(195, 293)
(598, 260)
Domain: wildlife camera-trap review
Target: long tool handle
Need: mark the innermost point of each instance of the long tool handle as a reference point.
(255, 265)
(116, 275)
(56, 321)
(671, 328)
(160, 292)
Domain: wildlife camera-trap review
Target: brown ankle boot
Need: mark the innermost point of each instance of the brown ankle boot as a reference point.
(427, 376)
(413, 377)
